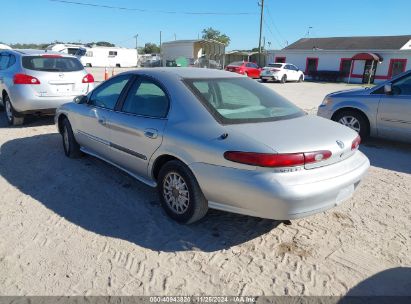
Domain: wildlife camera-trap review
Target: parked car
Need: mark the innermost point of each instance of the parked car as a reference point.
(382, 111)
(212, 139)
(37, 82)
(249, 69)
(282, 72)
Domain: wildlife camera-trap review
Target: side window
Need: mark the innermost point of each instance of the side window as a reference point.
(12, 61)
(293, 67)
(402, 86)
(107, 94)
(147, 99)
(4, 61)
(253, 65)
(287, 67)
(249, 65)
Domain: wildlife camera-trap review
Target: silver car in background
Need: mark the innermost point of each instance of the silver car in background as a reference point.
(382, 111)
(209, 138)
(37, 82)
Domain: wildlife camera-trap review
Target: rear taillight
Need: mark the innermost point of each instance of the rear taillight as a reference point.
(276, 160)
(88, 78)
(356, 143)
(274, 70)
(25, 79)
(315, 157)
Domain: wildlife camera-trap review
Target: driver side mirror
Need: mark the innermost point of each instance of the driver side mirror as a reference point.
(388, 89)
(80, 99)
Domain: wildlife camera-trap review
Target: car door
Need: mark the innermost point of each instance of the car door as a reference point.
(254, 70)
(138, 126)
(92, 124)
(294, 72)
(394, 111)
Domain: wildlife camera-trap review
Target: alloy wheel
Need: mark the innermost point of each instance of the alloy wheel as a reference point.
(351, 122)
(9, 111)
(175, 192)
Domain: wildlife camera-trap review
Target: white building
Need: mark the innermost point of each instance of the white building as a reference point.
(189, 52)
(356, 59)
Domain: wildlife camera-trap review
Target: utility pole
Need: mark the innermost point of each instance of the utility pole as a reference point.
(261, 30)
(136, 36)
(160, 42)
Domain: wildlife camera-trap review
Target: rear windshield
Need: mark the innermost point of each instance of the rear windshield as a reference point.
(275, 65)
(236, 63)
(241, 100)
(51, 64)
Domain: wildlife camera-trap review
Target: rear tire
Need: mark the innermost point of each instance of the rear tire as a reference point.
(180, 194)
(355, 121)
(70, 145)
(13, 117)
(284, 79)
(263, 80)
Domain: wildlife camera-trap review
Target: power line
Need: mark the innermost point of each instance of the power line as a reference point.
(275, 26)
(274, 36)
(151, 11)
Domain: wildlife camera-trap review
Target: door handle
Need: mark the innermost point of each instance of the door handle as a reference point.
(151, 133)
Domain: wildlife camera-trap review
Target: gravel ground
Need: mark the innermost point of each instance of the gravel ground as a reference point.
(82, 227)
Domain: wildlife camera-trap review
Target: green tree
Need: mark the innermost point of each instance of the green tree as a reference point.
(104, 43)
(212, 34)
(151, 48)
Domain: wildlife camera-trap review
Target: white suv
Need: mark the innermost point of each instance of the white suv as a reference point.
(37, 82)
(282, 72)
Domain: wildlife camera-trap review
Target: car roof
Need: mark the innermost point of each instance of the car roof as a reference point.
(188, 72)
(33, 52)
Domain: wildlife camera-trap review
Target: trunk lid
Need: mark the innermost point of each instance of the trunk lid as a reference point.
(302, 134)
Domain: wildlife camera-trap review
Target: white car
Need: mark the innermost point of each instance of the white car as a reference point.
(282, 72)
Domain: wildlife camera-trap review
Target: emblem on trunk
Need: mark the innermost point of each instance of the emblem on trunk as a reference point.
(61, 75)
(340, 144)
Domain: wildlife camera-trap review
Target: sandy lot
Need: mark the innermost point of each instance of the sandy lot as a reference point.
(82, 227)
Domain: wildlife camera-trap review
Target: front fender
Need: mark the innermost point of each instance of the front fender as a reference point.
(369, 110)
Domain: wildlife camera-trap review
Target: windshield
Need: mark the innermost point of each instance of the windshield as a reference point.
(241, 100)
(51, 63)
(236, 63)
(275, 65)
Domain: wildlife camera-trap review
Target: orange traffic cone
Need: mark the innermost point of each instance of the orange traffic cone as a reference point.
(105, 73)
(112, 72)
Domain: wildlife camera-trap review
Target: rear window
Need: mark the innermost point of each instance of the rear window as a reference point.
(275, 65)
(51, 64)
(236, 63)
(241, 100)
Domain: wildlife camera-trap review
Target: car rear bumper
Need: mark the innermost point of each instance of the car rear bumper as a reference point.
(26, 101)
(281, 196)
(270, 77)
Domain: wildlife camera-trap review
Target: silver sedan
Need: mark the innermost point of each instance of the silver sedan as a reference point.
(214, 139)
(383, 111)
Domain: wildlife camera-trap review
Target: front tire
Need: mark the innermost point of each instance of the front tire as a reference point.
(70, 145)
(355, 121)
(180, 194)
(13, 117)
(263, 80)
(301, 79)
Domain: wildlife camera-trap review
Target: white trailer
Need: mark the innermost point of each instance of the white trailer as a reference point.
(99, 56)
